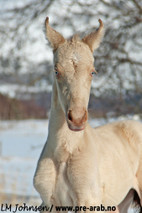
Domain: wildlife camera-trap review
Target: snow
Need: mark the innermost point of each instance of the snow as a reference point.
(21, 143)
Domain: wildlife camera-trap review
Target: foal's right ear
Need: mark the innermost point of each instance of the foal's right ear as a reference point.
(54, 38)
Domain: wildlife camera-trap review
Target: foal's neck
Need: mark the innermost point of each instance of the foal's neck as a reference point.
(59, 133)
(57, 116)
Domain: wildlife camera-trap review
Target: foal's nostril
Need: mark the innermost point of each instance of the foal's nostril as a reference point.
(70, 115)
(84, 117)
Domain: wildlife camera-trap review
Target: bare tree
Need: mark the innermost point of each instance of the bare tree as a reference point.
(118, 61)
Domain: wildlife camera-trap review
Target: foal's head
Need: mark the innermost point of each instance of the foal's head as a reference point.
(73, 71)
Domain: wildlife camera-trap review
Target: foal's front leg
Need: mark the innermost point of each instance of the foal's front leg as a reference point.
(44, 178)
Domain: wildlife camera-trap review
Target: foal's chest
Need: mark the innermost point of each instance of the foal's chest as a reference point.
(63, 191)
(76, 182)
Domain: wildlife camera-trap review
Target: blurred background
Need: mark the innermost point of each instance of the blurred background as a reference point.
(26, 74)
(26, 58)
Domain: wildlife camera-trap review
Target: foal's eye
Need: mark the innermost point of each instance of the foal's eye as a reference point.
(93, 73)
(56, 73)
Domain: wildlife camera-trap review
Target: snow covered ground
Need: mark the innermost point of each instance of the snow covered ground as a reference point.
(21, 143)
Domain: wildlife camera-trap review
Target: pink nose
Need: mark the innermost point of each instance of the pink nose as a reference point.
(77, 118)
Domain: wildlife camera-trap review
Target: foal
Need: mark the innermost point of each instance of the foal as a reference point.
(79, 165)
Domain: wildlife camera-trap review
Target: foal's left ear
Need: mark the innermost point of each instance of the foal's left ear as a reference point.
(53, 36)
(93, 40)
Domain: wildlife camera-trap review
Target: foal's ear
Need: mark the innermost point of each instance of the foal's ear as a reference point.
(54, 38)
(93, 40)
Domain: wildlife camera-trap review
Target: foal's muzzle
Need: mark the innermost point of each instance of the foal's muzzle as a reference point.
(76, 119)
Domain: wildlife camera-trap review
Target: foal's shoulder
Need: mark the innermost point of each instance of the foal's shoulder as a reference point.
(125, 124)
(127, 128)
(129, 125)
(130, 130)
